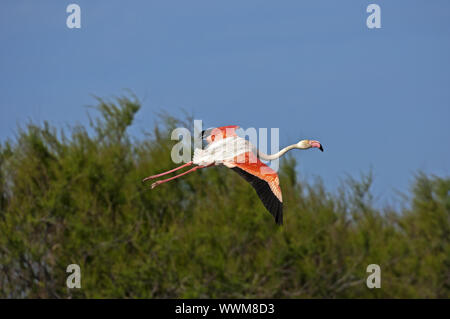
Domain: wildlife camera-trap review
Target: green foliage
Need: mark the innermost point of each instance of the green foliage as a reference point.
(78, 198)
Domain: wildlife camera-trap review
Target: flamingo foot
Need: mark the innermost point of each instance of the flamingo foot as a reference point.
(156, 184)
(148, 178)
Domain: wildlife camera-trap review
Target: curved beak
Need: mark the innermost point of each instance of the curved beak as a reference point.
(316, 144)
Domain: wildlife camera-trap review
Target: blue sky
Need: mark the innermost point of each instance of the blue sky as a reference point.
(375, 98)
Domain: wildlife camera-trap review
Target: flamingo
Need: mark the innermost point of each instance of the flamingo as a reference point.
(227, 148)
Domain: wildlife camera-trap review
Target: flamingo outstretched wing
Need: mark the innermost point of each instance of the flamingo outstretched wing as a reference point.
(264, 180)
(212, 134)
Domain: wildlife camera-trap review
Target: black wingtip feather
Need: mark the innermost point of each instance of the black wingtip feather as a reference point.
(268, 198)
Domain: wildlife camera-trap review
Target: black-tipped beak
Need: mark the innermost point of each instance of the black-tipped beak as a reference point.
(321, 148)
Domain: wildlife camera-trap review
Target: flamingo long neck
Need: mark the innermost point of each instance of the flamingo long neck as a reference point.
(271, 157)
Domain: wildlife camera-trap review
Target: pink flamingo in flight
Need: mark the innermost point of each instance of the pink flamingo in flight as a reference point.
(227, 148)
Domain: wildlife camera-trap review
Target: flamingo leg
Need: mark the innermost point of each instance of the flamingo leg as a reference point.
(176, 176)
(168, 172)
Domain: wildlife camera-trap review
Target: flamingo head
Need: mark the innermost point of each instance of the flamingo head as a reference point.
(305, 144)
